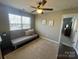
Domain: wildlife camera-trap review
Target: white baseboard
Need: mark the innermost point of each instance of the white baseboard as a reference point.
(50, 40)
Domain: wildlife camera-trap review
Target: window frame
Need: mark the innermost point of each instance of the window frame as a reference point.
(25, 24)
(21, 24)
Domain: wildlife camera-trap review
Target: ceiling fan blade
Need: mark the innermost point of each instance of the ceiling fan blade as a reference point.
(44, 2)
(50, 9)
(41, 3)
(33, 11)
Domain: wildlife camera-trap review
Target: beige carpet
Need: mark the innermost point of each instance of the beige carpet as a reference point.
(38, 49)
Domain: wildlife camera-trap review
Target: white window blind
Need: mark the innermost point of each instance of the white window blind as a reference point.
(26, 22)
(17, 22)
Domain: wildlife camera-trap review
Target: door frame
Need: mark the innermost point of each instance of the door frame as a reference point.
(65, 16)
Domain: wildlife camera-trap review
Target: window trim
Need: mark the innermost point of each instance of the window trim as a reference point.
(21, 22)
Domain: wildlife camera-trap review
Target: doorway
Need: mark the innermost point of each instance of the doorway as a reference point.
(69, 30)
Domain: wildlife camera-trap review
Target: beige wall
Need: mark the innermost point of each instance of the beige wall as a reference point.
(51, 32)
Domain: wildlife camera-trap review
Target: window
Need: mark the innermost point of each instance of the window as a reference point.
(18, 22)
(15, 22)
(26, 22)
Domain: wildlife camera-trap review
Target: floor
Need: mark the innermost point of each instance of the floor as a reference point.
(43, 49)
(37, 49)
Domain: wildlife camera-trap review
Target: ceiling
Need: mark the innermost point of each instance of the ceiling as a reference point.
(55, 4)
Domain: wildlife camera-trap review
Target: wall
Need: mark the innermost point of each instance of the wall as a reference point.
(4, 25)
(52, 32)
(4, 21)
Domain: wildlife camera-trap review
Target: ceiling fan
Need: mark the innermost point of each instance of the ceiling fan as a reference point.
(39, 8)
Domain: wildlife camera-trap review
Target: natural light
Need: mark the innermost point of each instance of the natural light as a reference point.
(17, 22)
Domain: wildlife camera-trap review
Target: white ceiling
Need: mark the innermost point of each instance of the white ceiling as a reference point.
(55, 4)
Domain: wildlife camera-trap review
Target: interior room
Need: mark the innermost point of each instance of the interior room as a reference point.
(38, 29)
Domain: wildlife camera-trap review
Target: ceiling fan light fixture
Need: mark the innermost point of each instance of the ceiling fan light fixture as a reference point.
(39, 11)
